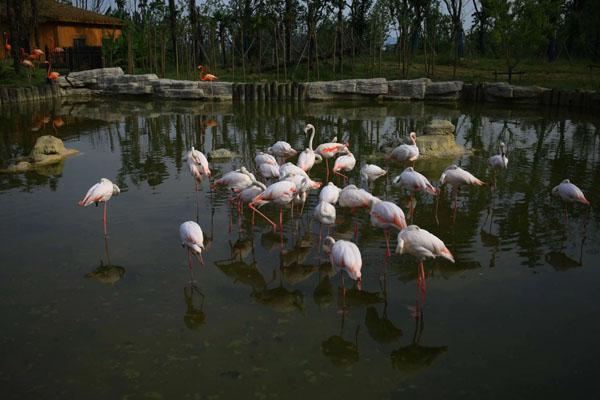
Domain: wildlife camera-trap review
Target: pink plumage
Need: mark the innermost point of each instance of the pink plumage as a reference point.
(413, 181)
(421, 244)
(569, 193)
(345, 256)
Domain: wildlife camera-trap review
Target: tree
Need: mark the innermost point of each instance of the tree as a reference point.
(455, 9)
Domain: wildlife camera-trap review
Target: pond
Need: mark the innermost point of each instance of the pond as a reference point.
(83, 317)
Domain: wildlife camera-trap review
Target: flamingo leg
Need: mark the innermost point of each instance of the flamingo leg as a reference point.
(253, 218)
(105, 231)
(302, 209)
(388, 253)
(264, 216)
(200, 258)
(566, 215)
(327, 165)
(356, 231)
(189, 259)
(344, 177)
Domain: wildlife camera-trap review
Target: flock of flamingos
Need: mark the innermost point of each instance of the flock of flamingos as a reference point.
(291, 184)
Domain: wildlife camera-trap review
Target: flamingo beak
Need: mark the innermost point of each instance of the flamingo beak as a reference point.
(359, 283)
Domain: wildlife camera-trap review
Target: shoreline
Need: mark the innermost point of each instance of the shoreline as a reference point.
(113, 82)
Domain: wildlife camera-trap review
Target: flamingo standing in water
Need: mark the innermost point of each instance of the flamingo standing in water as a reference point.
(204, 76)
(264, 158)
(569, 193)
(7, 46)
(236, 181)
(269, 171)
(386, 215)
(498, 161)
(344, 163)
(413, 181)
(198, 165)
(371, 172)
(406, 152)
(291, 169)
(101, 192)
(282, 149)
(422, 245)
(330, 193)
(192, 239)
(248, 194)
(280, 193)
(458, 177)
(353, 198)
(345, 256)
(307, 158)
(324, 213)
(330, 150)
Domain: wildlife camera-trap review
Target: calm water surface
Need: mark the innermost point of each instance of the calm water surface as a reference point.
(515, 317)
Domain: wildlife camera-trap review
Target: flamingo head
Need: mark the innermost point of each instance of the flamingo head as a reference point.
(328, 244)
(413, 136)
(396, 181)
(201, 68)
(308, 128)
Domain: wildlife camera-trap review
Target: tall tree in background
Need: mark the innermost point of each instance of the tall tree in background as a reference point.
(455, 9)
(173, 26)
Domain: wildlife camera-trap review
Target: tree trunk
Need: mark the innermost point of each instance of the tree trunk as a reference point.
(173, 26)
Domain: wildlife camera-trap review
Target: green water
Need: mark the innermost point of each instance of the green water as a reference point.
(515, 317)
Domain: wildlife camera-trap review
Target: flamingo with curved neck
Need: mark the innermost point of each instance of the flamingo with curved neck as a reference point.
(204, 76)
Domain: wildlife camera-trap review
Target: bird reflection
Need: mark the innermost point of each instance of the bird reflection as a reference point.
(356, 298)
(381, 329)
(280, 299)
(106, 273)
(415, 357)
(239, 270)
(488, 238)
(562, 262)
(340, 351)
(194, 317)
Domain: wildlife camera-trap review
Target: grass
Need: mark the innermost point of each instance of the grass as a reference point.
(559, 75)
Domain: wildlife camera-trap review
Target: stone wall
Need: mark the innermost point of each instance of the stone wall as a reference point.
(112, 81)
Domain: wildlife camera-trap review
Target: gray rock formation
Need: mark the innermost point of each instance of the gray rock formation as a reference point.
(346, 89)
(128, 84)
(444, 90)
(89, 78)
(413, 89)
(503, 92)
(48, 150)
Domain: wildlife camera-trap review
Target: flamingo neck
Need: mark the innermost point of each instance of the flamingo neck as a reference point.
(312, 136)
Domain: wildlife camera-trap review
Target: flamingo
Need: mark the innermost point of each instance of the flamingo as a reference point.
(236, 180)
(569, 193)
(264, 158)
(413, 181)
(269, 171)
(204, 76)
(200, 159)
(7, 46)
(101, 192)
(303, 185)
(330, 193)
(330, 150)
(37, 53)
(291, 169)
(248, 194)
(192, 239)
(499, 161)
(307, 158)
(324, 213)
(371, 172)
(279, 193)
(406, 152)
(457, 177)
(345, 255)
(50, 75)
(386, 215)
(422, 245)
(282, 150)
(353, 198)
(29, 66)
(344, 163)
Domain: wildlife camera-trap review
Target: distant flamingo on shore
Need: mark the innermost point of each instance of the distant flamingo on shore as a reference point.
(204, 76)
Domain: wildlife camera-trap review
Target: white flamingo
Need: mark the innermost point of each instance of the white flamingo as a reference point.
(279, 193)
(569, 193)
(101, 192)
(344, 256)
(200, 159)
(406, 152)
(307, 158)
(264, 158)
(192, 239)
(422, 245)
(344, 163)
(386, 215)
(269, 171)
(330, 150)
(282, 150)
(330, 193)
(458, 177)
(498, 161)
(371, 172)
(413, 182)
(324, 213)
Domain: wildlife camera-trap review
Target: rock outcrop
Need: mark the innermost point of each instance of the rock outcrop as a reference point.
(414, 89)
(444, 91)
(221, 154)
(439, 127)
(48, 150)
(346, 89)
(438, 141)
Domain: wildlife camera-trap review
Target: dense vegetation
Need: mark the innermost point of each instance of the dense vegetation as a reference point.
(330, 39)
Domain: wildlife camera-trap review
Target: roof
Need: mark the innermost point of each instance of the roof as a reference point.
(51, 11)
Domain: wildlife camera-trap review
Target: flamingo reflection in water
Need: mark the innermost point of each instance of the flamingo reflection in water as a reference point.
(107, 273)
(340, 351)
(194, 316)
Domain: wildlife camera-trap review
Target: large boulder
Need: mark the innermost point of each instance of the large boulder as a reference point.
(49, 149)
(88, 78)
(443, 90)
(128, 84)
(173, 89)
(217, 90)
(219, 154)
(413, 89)
(439, 127)
(346, 89)
(318, 91)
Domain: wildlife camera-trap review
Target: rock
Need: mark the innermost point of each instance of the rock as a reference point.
(413, 89)
(128, 84)
(434, 146)
(217, 90)
(48, 150)
(439, 127)
(317, 91)
(89, 78)
(529, 94)
(443, 90)
(20, 167)
(346, 89)
(221, 154)
(372, 87)
(498, 91)
(168, 88)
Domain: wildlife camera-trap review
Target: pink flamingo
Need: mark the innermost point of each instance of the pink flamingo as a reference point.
(269, 171)
(291, 169)
(386, 215)
(371, 172)
(569, 193)
(354, 198)
(422, 245)
(413, 181)
(330, 150)
(498, 161)
(330, 193)
(324, 213)
(406, 152)
(303, 185)
(248, 194)
(204, 76)
(344, 163)
(458, 177)
(280, 193)
(7, 46)
(101, 192)
(282, 150)
(307, 158)
(345, 256)
(264, 158)
(192, 239)
(198, 165)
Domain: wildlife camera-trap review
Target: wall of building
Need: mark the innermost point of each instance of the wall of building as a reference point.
(64, 35)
